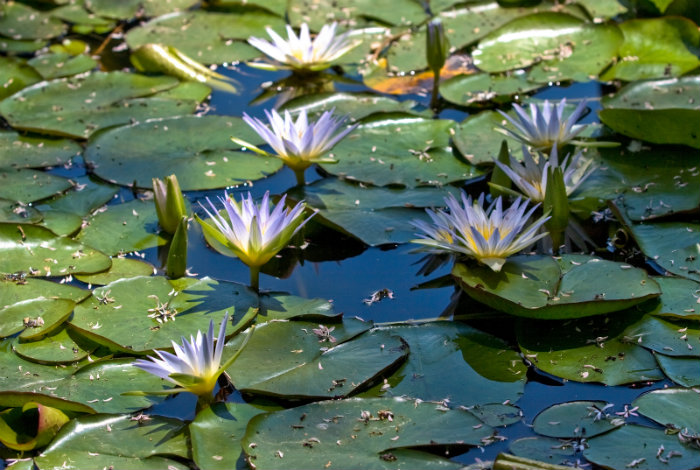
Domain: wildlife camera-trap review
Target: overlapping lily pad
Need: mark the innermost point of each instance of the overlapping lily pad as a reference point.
(15, 74)
(198, 150)
(575, 419)
(400, 12)
(678, 408)
(17, 151)
(465, 90)
(62, 64)
(77, 107)
(122, 268)
(371, 434)
(19, 21)
(660, 111)
(62, 346)
(683, 370)
(680, 338)
(126, 9)
(354, 105)
(27, 185)
(572, 286)
(34, 318)
(406, 151)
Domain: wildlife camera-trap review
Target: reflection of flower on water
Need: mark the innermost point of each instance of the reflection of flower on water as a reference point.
(489, 236)
(254, 233)
(195, 365)
(531, 176)
(546, 126)
(300, 143)
(301, 52)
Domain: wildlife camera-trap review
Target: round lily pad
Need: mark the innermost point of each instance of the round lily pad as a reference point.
(26, 185)
(15, 74)
(16, 212)
(672, 407)
(34, 318)
(683, 370)
(17, 151)
(572, 286)
(398, 12)
(19, 21)
(62, 346)
(62, 64)
(198, 150)
(681, 338)
(576, 419)
(122, 268)
(126, 9)
(406, 151)
(354, 105)
(465, 90)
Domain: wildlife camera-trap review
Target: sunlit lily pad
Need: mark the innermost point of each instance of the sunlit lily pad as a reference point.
(17, 212)
(676, 407)
(17, 151)
(573, 286)
(544, 449)
(660, 111)
(207, 37)
(656, 48)
(575, 419)
(406, 151)
(83, 20)
(281, 306)
(15, 74)
(397, 12)
(126, 9)
(483, 369)
(19, 21)
(87, 195)
(62, 346)
(216, 434)
(354, 105)
(303, 360)
(77, 107)
(374, 215)
(640, 447)
(680, 338)
(16, 289)
(145, 313)
(131, 226)
(603, 9)
(312, 435)
(34, 318)
(122, 268)
(62, 64)
(198, 150)
(588, 350)
(569, 47)
(26, 185)
(119, 441)
(465, 90)
(38, 252)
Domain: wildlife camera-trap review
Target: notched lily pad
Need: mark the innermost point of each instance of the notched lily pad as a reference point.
(572, 286)
(62, 346)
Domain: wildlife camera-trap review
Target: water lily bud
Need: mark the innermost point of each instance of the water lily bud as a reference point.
(176, 265)
(499, 178)
(556, 202)
(170, 203)
(437, 46)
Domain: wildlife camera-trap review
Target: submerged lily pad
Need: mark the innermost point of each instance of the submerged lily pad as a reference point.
(660, 111)
(17, 151)
(77, 107)
(38, 252)
(356, 433)
(542, 287)
(198, 150)
(303, 360)
(406, 151)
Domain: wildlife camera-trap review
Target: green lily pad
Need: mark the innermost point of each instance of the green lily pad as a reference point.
(122, 268)
(87, 195)
(660, 111)
(642, 448)
(16, 289)
(656, 48)
(19, 21)
(26, 185)
(19, 151)
(82, 19)
(131, 226)
(281, 306)
(680, 338)
(398, 12)
(545, 449)
(566, 43)
(291, 360)
(216, 435)
(126, 9)
(683, 370)
(30, 427)
(477, 139)
(375, 216)
(61, 106)
(588, 350)
(15, 74)
(198, 150)
(542, 287)
(603, 9)
(676, 407)
(485, 367)
(62, 64)
(672, 245)
(575, 419)
(62, 224)
(207, 37)
(34, 318)
(18, 213)
(678, 299)
(354, 105)
(12, 46)
(38, 252)
(465, 90)
(119, 441)
(117, 315)
(62, 346)
(356, 433)
(406, 151)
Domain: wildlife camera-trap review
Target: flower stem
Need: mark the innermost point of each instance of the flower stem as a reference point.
(300, 177)
(434, 96)
(255, 278)
(204, 401)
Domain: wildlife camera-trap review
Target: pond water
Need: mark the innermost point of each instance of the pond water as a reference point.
(587, 359)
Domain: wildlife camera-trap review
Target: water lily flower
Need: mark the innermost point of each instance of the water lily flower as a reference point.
(531, 176)
(301, 52)
(252, 232)
(300, 143)
(546, 127)
(489, 236)
(196, 364)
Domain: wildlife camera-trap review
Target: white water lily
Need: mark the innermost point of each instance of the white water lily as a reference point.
(531, 176)
(196, 364)
(301, 52)
(299, 143)
(254, 233)
(489, 236)
(546, 126)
